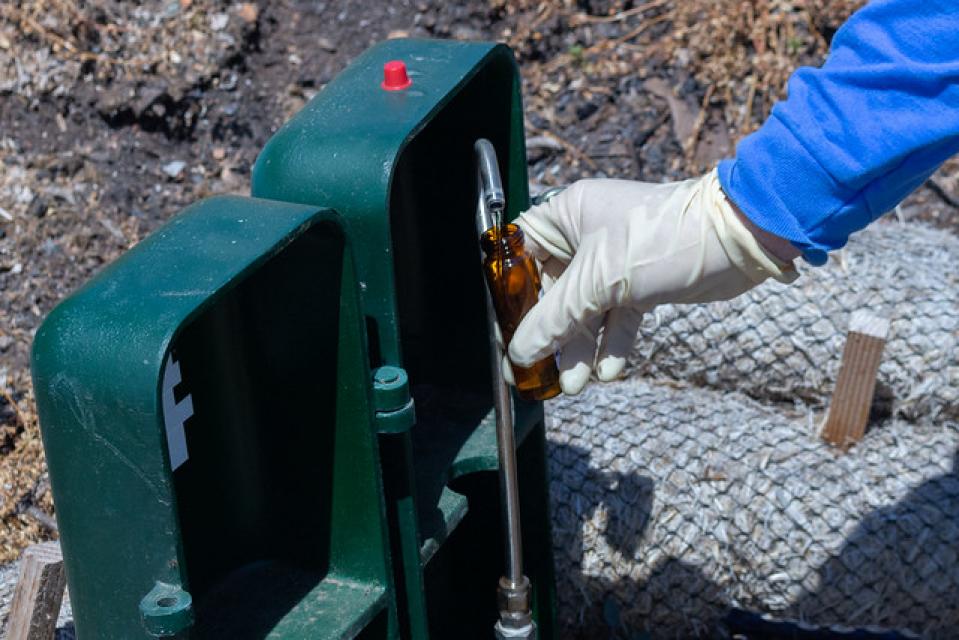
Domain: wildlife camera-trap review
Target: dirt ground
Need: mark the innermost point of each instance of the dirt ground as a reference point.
(114, 116)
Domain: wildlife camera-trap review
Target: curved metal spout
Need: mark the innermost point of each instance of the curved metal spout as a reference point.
(492, 198)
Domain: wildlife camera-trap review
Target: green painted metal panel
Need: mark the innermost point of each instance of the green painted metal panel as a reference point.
(344, 148)
(399, 167)
(274, 522)
(268, 519)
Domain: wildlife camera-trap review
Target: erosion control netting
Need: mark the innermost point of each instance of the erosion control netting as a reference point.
(672, 504)
(677, 498)
(784, 342)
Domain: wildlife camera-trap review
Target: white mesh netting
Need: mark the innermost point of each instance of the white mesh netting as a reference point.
(677, 498)
(783, 342)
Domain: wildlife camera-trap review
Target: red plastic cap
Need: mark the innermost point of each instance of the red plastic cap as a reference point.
(395, 76)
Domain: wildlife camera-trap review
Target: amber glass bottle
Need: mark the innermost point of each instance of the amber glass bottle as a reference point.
(514, 286)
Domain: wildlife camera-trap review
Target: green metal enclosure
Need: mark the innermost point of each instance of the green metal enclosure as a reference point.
(399, 167)
(273, 525)
(272, 420)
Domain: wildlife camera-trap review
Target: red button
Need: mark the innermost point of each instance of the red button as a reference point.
(395, 76)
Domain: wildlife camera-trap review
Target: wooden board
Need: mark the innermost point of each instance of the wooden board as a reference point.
(36, 602)
(849, 410)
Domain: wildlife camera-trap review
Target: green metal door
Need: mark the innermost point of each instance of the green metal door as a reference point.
(206, 412)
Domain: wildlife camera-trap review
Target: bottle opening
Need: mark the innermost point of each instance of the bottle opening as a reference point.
(493, 241)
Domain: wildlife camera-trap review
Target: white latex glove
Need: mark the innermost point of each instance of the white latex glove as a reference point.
(611, 250)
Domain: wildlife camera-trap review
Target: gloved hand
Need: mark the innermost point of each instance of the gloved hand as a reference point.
(611, 250)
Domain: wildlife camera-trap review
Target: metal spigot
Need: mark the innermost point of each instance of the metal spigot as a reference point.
(491, 185)
(513, 590)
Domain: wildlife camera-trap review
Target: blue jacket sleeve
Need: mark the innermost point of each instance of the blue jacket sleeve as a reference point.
(857, 135)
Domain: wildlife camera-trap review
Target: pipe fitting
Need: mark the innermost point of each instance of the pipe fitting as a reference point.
(515, 617)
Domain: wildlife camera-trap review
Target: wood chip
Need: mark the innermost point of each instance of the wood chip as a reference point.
(684, 116)
(248, 12)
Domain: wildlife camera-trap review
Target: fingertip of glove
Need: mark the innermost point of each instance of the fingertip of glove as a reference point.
(573, 381)
(507, 370)
(610, 368)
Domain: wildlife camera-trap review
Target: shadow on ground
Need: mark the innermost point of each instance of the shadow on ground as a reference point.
(898, 568)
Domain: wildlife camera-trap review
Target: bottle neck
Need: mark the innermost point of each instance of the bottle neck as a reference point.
(495, 244)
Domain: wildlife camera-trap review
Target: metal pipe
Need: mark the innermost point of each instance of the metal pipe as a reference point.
(513, 590)
(490, 200)
(506, 446)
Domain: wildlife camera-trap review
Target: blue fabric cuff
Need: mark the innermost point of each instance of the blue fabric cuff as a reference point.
(782, 189)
